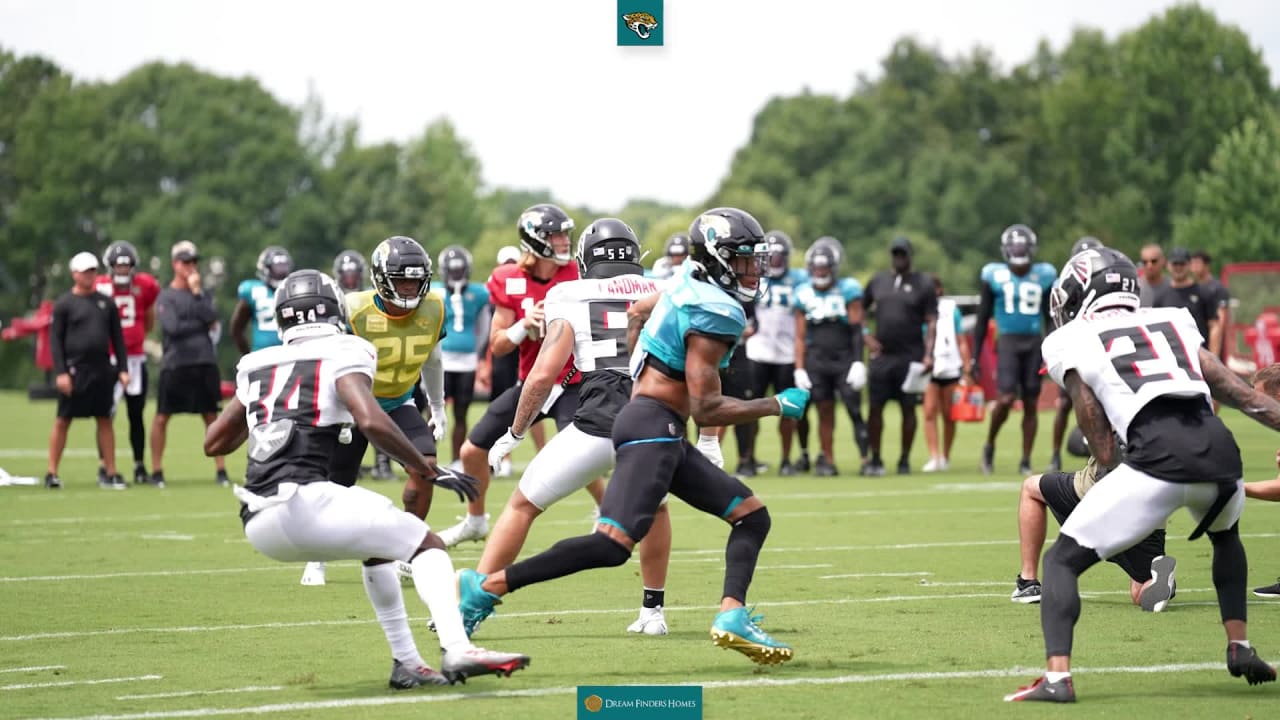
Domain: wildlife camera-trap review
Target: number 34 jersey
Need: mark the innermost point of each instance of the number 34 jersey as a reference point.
(292, 408)
(402, 343)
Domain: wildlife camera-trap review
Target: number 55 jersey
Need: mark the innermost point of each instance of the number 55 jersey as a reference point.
(403, 343)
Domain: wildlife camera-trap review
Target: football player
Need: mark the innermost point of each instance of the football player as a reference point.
(291, 404)
(349, 270)
(1142, 375)
(1014, 291)
(692, 327)
(256, 305)
(464, 303)
(134, 293)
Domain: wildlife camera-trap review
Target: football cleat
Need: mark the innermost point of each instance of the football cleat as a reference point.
(464, 531)
(1042, 690)
(103, 480)
(904, 467)
(221, 478)
(139, 474)
(650, 622)
(737, 629)
(460, 664)
(474, 603)
(786, 469)
(1026, 591)
(873, 468)
(404, 677)
(988, 459)
(157, 478)
(935, 464)
(1244, 661)
(1055, 463)
(802, 464)
(382, 468)
(1024, 467)
(1156, 596)
(1270, 591)
(313, 574)
(52, 481)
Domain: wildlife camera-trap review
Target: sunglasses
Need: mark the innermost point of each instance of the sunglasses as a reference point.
(1150, 261)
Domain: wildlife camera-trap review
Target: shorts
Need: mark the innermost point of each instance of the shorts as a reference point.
(504, 374)
(944, 382)
(497, 418)
(92, 392)
(829, 379)
(654, 458)
(1058, 489)
(1018, 362)
(460, 387)
(568, 462)
(779, 376)
(344, 466)
(189, 389)
(735, 380)
(885, 375)
(323, 521)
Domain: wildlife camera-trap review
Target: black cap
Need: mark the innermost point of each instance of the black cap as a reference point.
(1179, 255)
(900, 243)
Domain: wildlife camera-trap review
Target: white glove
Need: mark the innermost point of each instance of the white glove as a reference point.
(802, 379)
(709, 446)
(439, 422)
(502, 448)
(857, 377)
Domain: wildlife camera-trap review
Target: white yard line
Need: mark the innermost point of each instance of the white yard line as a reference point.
(80, 520)
(190, 693)
(34, 668)
(66, 683)
(384, 700)
(167, 536)
(867, 575)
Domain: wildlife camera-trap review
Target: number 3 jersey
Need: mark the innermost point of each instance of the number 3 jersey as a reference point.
(1144, 368)
(292, 407)
(133, 301)
(596, 310)
(402, 343)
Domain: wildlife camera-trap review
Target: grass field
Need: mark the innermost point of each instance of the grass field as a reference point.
(894, 592)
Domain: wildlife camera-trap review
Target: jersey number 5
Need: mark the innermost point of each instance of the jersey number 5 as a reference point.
(400, 359)
(1150, 361)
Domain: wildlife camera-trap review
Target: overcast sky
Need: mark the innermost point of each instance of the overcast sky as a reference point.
(540, 90)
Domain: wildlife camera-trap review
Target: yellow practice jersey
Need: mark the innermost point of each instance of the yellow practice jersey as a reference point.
(403, 343)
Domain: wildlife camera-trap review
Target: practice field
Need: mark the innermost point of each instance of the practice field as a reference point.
(894, 592)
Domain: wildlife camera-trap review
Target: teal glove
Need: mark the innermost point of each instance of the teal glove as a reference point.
(792, 402)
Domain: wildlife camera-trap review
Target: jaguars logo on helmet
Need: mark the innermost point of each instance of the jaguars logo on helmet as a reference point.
(538, 225)
(400, 258)
(727, 244)
(1018, 245)
(274, 265)
(821, 262)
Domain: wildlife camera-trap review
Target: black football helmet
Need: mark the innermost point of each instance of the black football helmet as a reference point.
(400, 258)
(728, 246)
(309, 303)
(348, 269)
(780, 247)
(608, 247)
(821, 262)
(1088, 242)
(121, 253)
(274, 265)
(538, 224)
(677, 247)
(834, 244)
(1018, 245)
(1096, 279)
(455, 264)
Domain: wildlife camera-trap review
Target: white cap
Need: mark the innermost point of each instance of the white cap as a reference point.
(508, 254)
(84, 262)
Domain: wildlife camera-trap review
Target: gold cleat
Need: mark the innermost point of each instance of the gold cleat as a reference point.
(759, 654)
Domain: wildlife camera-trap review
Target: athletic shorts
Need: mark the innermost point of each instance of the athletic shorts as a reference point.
(323, 521)
(92, 392)
(778, 376)
(344, 466)
(190, 389)
(504, 374)
(502, 411)
(1018, 362)
(460, 387)
(735, 380)
(885, 375)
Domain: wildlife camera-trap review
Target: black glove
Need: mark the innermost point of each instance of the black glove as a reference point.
(467, 487)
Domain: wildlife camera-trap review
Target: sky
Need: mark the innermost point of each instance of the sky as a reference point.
(540, 90)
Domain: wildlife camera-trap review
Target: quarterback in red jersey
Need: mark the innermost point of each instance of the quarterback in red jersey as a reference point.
(135, 296)
(517, 292)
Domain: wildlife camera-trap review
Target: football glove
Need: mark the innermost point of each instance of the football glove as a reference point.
(467, 487)
(792, 401)
(439, 422)
(502, 448)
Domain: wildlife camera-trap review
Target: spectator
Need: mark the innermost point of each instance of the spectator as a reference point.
(85, 330)
(900, 301)
(950, 363)
(1219, 299)
(1182, 291)
(189, 380)
(1151, 276)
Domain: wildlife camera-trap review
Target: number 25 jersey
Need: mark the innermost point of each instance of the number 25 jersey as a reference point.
(402, 343)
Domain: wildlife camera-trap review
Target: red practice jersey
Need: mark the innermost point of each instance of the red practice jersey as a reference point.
(511, 287)
(133, 301)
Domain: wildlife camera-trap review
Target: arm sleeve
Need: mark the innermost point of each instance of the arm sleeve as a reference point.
(433, 377)
(58, 327)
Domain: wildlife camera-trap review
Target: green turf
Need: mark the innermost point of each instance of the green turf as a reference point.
(214, 615)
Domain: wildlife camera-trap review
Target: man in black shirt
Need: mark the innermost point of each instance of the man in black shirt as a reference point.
(902, 302)
(84, 332)
(1219, 299)
(189, 380)
(1183, 291)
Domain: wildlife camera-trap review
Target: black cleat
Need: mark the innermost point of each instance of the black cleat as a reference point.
(221, 478)
(802, 464)
(988, 459)
(52, 482)
(1042, 690)
(746, 470)
(786, 469)
(103, 480)
(1244, 661)
(824, 469)
(1270, 591)
(1026, 591)
(904, 467)
(157, 478)
(108, 482)
(404, 677)
(873, 468)
(1055, 463)
(117, 482)
(1024, 467)
(139, 474)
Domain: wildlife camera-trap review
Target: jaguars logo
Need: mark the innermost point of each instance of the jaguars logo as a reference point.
(640, 23)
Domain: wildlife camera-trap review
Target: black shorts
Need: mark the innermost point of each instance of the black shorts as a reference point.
(944, 382)
(654, 458)
(497, 418)
(92, 392)
(735, 380)
(829, 376)
(1059, 491)
(1018, 362)
(344, 466)
(504, 374)
(885, 375)
(779, 376)
(460, 387)
(601, 397)
(189, 389)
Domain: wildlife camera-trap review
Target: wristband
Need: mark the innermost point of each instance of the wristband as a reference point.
(517, 333)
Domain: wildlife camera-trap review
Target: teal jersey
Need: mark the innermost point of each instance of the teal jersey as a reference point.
(461, 309)
(1019, 299)
(830, 305)
(262, 310)
(690, 306)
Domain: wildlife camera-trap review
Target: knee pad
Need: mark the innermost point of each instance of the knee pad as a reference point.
(1071, 554)
(755, 523)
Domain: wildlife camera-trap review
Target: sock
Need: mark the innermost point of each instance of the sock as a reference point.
(741, 551)
(654, 598)
(433, 579)
(1054, 677)
(1241, 643)
(383, 588)
(476, 520)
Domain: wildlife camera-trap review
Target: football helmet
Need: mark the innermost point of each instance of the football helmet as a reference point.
(455, 264)
(348, 269)
(538, 224)
(309, 303)
(821, 262)
(274, 265)
(1018, 245)
(727, 244)
(834, 244)
(121, 253)
(1088, 242)
(608, 247)
(400, 258)
(780, 247)
(677, 247)
(1096, 279)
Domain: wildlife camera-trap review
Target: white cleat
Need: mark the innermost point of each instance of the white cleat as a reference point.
(313, 574)
(464, 531)
(460, 664)
(650, 622)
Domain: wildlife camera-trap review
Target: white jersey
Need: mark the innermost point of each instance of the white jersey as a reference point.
(596, 309)
(774, 340)
(1130, 358)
